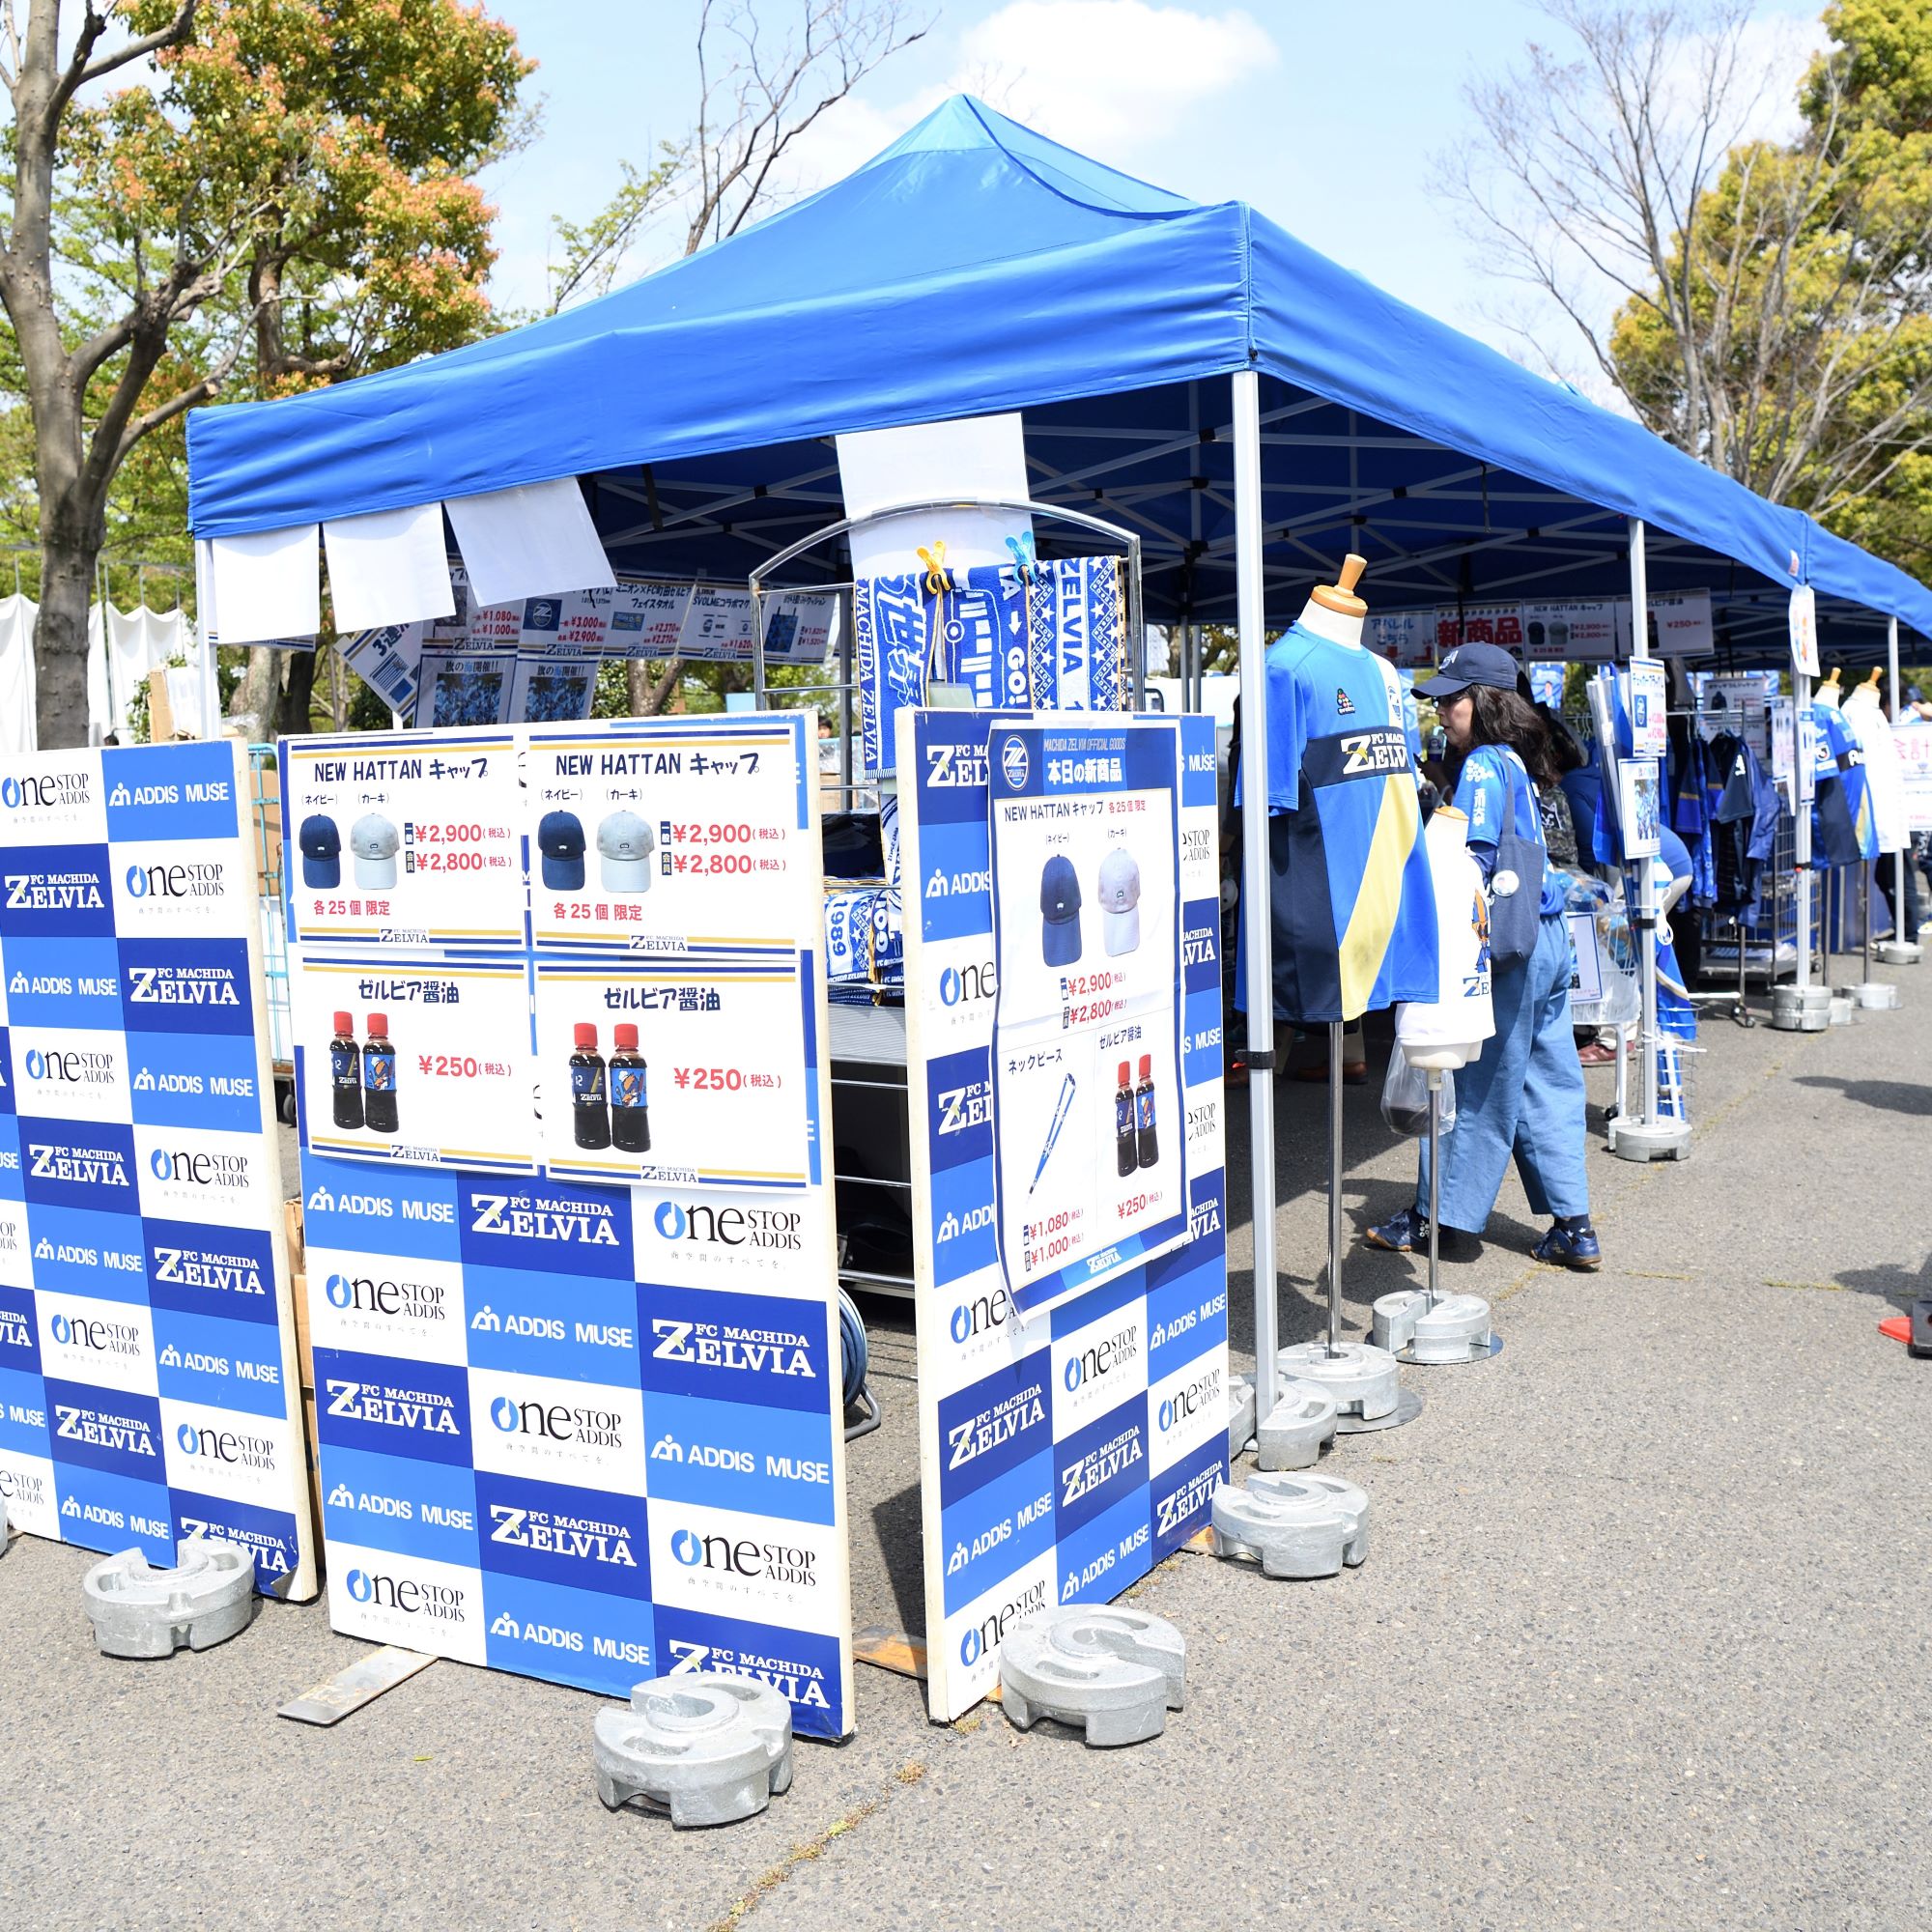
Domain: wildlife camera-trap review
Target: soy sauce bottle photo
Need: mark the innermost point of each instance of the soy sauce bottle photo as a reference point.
(630, 1100)
(1150, 1147)
(1127, 1155)
(590, 1116)
(379, 1077)
(345, 1073)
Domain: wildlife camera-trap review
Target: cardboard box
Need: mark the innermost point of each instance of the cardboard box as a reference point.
(292, 1227)
(304, 1350)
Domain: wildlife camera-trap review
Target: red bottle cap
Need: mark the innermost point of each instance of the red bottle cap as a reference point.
(345, 1023)
(626, 1036)
(586, 1035)
(1121, 1076)
(1147, 1066)
(379, 1025)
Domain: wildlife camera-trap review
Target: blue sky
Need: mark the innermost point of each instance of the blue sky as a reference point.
(1324, 116)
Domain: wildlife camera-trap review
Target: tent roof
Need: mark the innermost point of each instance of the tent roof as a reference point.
(976, 267)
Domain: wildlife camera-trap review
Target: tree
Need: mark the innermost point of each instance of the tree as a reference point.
(1771, 301)
(286, 190)
(758, 95)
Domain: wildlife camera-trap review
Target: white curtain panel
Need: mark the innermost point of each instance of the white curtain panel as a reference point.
(267, 586)
(977, 459)
(18, 729)
(389, 567)
(536, 540)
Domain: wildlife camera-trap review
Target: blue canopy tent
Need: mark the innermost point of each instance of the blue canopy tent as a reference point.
(975, 267)
(1193, 372)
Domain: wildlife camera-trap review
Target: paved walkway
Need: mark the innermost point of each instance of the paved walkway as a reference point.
(1641, 1640)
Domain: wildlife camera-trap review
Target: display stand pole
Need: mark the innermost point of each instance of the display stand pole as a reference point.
(1335, 1030)
(1648, 1136)
(204, 617)
(1256, 934)
(1801, 829)
(1435, 1180)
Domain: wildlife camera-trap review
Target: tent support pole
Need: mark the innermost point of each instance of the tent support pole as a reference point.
(210, 670)
(1646, 885)
(1254, 917)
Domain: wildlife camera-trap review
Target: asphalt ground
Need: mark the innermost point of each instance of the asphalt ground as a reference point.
(1641, 1641)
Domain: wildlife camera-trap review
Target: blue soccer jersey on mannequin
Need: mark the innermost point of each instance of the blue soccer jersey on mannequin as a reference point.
(1353, 914)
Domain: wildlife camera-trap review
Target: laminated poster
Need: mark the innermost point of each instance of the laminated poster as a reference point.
(461, 690)
(1639, 806)
(148, 1378)
(1061, 1458)
(570, 1255)
(1092, 1174)
(649, 842)
(1650, 729)
(404, 840)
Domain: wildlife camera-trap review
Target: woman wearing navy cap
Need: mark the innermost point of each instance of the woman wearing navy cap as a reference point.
(1524, 1095)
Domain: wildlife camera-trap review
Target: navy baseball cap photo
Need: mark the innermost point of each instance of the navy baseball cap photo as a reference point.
(1060, 912)
(322, 851)
(1467, 665)
(560, 841)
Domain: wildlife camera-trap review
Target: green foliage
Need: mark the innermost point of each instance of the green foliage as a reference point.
(1804, 277)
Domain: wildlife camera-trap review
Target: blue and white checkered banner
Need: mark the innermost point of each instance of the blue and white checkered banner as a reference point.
(569, 1221)
(1060, 1455)
(148, 1382)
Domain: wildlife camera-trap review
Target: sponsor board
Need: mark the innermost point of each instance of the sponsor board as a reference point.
(1070, 1434)
(146, 1332)
(573, 1322)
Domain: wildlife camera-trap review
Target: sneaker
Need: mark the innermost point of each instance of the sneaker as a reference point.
(1406, 1233)
(1571, 1248)
(1594, 1055)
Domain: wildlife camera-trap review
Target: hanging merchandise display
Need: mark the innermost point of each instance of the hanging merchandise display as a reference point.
(148, 1382)
(1100, 800)
(1025, 634)
(570, 1245)
(1064, 1451)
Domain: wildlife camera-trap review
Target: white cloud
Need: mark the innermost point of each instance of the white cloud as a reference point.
(1109, 77)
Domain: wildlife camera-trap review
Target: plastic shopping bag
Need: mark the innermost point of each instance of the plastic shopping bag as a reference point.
(1405, 1097)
